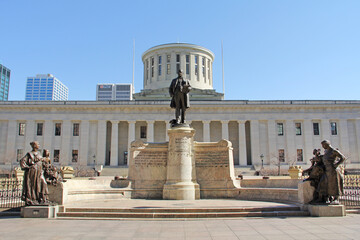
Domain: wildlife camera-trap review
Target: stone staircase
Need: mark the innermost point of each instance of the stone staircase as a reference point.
(123, 171)
(114, 171)
(179, 213)
(245, 171)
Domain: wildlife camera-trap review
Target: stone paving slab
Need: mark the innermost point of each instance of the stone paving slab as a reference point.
(247, 228)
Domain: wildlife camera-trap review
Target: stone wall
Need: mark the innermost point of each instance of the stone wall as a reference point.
(215, 169)
(213, 163)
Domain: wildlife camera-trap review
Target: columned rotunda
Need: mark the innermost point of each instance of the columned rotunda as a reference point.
(88, 133)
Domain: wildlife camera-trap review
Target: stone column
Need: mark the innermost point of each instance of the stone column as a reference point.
(271, 141)
(101, 142)
(48, 135)
(344, 138)
(181, 175)
(255, 141)
(10, 142)
(357, 134)
(290, 151)
(66, 152)
(84, 142)
(29, 135)
(114, 143)
(131, 136)
(325, 129)
(206, 131)
(225, 130)
(150, 131)
(308, 140)
(242, 143)
(167, 126)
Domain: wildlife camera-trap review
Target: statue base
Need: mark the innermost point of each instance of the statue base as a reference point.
(327, 210)
(181, 181)
(181, 191)
(39, 211)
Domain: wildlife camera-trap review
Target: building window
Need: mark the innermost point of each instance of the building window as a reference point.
(19, 154)
(208, 68)
(159, 65)
(316, 129)
(152, 67)
(298, 128)
(177, 63)
(76, 129)
(196, 64)
(203, 67)
(333, 128)
(299, 155)
(147, 70)
(188, 64)
(57, 129)
(143, 131)
(280, 129)
(281, 155)
(39, 129)
(56, 155)
(22, 129)
(75, 155)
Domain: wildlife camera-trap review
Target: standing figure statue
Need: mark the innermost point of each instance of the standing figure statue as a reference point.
(35, 189)
(332, 158)
(179, 92)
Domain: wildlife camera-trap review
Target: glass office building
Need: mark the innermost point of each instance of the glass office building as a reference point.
(45, 87)
(4, 83)
(116, 92)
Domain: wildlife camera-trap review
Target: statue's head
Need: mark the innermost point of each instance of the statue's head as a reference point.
(46, 153)
(35, 145)
(325, 144)
(180, 72)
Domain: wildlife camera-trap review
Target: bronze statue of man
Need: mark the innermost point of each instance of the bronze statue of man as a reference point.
(179, 92)
(332, 158)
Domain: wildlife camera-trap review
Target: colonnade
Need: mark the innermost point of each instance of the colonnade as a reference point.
(251, 138)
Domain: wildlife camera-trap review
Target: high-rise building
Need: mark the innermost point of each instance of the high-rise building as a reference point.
(4, 83)
(45, 87)
(111, 91)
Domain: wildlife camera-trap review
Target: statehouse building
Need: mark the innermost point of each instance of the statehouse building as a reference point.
(89, 133)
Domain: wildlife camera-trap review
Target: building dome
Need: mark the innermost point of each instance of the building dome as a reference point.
(162, 62)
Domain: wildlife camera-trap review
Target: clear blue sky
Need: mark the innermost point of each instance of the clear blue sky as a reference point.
(272, 49)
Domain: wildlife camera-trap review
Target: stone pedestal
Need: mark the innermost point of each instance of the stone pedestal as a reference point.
(305, 192)
(327, 210)
(39, 211)
(19, 174)
(181, 181)
(295, 172)
(67, 172)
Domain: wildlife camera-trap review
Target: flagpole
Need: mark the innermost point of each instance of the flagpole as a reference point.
(133, 73)
(222, 60)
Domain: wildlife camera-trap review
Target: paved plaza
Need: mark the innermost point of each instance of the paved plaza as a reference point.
(244, 228)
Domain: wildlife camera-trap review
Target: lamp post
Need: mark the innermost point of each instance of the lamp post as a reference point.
(262, 161)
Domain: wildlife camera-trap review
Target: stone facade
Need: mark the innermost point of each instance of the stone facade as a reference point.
(101, 132)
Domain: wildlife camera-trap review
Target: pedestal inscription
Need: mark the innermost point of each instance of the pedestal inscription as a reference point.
(181, 175)
(147, 169)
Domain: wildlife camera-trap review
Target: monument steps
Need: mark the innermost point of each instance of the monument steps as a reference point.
(114, 171)
(178, 213)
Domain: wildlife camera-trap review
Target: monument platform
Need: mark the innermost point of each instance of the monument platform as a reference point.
(177, 209)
